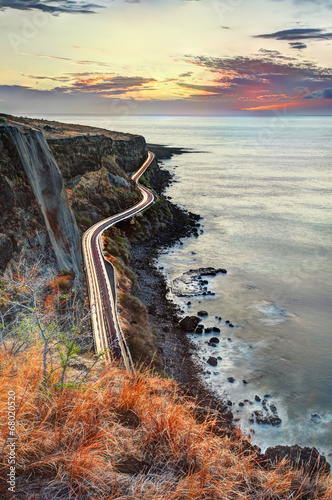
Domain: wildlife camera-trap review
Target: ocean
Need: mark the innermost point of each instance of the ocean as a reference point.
(263, 188)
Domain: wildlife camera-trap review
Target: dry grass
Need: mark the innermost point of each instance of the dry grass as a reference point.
(130, 437)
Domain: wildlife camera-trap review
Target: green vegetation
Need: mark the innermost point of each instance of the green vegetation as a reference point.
(39, 308)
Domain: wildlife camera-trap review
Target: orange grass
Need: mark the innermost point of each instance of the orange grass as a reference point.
(79, 443)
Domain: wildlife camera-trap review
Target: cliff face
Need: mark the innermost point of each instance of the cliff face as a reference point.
(47, 184)
(81, 154)
(55, 181)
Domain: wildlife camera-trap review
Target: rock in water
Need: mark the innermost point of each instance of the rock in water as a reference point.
(275, 421)
(202, 313)
(315, 418)
(212, 361)
(189, 323)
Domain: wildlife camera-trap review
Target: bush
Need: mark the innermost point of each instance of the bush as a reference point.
(86, 221)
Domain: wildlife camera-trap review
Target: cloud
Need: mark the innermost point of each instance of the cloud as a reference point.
(52, 6)
(105, 84)
(205, 88)
(325, 94)
(186, 75)
(75, 61)
(101, 84)
(52, 78)
(261, 67)
(316, 3)
(298, 34)
(264, 67)
(264, 79)
(275, 54)
(297, 45)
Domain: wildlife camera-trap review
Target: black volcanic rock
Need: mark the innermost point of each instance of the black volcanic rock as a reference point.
(275, 420)
(6, 250)
(80, 154)
(202, 313)
(6, 196)
(212, 361)
(189, 323)
(308, 458)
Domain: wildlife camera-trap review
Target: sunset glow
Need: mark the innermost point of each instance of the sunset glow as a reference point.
(193, 57)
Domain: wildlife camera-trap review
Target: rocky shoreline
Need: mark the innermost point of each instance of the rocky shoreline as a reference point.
(175, 348)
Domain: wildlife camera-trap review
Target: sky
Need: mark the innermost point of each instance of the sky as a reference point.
(176, 57)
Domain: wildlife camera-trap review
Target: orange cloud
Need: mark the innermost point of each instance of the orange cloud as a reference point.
(271, 107)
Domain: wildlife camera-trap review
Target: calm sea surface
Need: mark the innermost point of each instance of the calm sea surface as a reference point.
(263, 188)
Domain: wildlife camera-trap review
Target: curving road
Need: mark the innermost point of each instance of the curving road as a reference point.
(108, 335)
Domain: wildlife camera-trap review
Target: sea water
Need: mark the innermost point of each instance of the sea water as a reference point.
(263, 188)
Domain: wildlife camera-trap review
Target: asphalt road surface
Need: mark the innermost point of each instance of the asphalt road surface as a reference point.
(100, 274)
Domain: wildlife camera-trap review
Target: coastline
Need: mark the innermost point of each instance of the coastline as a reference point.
(174, 346)
(160, 338)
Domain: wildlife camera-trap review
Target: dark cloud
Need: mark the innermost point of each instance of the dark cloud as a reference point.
(263, 67)
(298, 34)
(103, 84)
(313, 95)
(297, 45)
(51, 6)
(247, 81)
(52, 78)
(275, 54)
(257, 77)
(106, 84)
(325, 94)
(186, 75)
(205, 88)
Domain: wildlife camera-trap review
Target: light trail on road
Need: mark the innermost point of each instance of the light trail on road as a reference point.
(100, 274)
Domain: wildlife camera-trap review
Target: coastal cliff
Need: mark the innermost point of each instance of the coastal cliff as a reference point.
(81, 154)
(46, 183)
(55, 182)
(149, 436)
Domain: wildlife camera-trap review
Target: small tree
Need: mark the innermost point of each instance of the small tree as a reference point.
(28, 317)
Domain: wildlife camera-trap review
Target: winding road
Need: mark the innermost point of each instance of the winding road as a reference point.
(108, 335)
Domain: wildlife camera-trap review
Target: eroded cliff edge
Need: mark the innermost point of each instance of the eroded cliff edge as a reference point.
(55, 181)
